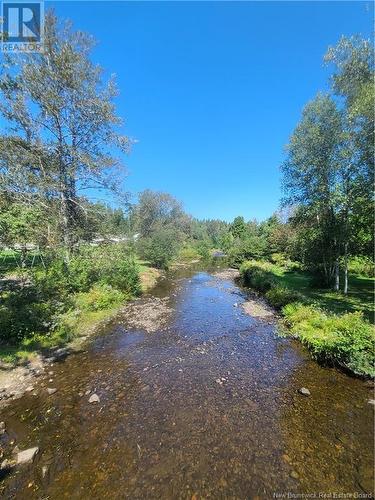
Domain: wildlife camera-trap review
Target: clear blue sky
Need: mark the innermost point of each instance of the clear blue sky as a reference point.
(212, 90)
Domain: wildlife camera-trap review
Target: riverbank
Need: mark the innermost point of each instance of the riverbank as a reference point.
(21, 365)
(343, 340)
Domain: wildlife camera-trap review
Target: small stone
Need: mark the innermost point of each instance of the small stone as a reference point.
(94, 398)
(304, 391)
(2, 426)
(371, 401)
(44, 470)
(6, 464)
(51, 390)
(29, 388)
(294, 474)
(27, 456)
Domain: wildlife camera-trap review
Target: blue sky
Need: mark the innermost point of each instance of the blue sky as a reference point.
(213, 90)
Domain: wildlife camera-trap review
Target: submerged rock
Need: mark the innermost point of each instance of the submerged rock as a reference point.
(27, 456)
(94, 398)
(304, 391)
(6, 464)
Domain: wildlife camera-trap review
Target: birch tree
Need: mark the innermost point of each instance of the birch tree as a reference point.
(62, 126)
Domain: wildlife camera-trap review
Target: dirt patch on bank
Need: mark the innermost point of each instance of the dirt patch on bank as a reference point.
(258, 309)
(149, 314)
(227, 274)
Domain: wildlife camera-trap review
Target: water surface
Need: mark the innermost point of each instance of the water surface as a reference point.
(206, 408)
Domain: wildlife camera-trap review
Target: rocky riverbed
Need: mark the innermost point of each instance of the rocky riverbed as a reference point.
(189, 393)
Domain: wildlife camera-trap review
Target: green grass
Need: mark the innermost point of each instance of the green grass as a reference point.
(360, 296)
(10, 261)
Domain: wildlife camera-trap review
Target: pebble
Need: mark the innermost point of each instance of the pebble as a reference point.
(371, 401)
(304, 391)
(51, 390)
(29, 388)
(294, 474)
(26, 456)
(94, 398)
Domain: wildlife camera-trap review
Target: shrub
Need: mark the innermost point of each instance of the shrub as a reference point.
(279, 296)
(187, 253)
(363, 266)
(160, 248)
(99, 297)
(258, 275)
(251, 248)
(24, 313)
(347, 340)
(123, 275)
(203, 249)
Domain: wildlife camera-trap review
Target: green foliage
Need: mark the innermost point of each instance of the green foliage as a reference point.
(188, 253)
(363, 266)
(160, 248)
(25, 312)
(203, 249)
(258, 275)
(238, 227)
(99, 297)
(279, 296)
(253, 247)
(122, 274)
(346, 340)
(96, 278)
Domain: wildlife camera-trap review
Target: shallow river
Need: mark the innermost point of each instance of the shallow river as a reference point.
(207, 407)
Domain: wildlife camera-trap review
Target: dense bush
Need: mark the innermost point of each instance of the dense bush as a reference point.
(279, 296)
(96, 278)
(251, 248)
(346, 340)
(188, 252)
(24, 312)
(99, 297)
(258, 275)
(364, 266)
(203, 249)
(160, 248)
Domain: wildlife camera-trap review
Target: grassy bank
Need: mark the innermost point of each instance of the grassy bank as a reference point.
(333, 326)
(55, 307)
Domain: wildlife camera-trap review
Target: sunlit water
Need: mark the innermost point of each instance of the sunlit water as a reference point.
(207, 408)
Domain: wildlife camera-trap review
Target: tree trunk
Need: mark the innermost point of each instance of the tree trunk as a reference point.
(337, 276)
(346, 269)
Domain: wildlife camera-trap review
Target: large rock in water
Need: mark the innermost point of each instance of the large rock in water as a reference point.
(27, 456)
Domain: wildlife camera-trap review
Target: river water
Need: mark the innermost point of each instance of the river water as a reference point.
(206, 407)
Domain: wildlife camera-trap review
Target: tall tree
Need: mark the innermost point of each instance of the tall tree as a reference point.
(311, 176)
(63, 125)
(238, 227)
(353, 80)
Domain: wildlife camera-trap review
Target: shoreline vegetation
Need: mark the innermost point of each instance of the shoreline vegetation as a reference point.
(335, 331)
